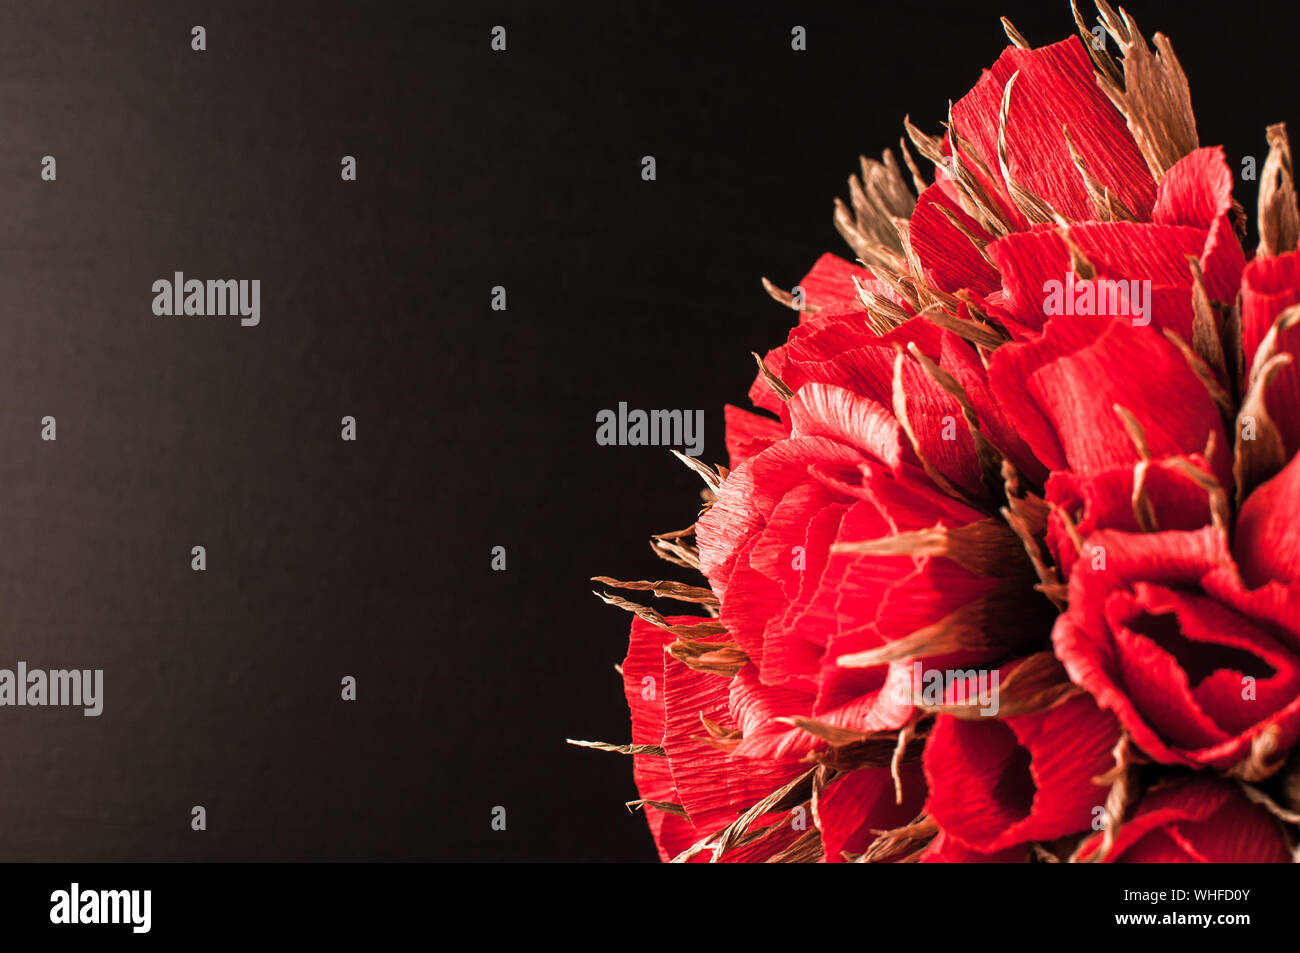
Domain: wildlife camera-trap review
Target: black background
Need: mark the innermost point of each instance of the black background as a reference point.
(476, 428)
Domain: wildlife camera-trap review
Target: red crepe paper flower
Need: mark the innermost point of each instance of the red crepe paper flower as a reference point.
(1003, 566)
(997, 783)
(1197, 820)
(1199, 669)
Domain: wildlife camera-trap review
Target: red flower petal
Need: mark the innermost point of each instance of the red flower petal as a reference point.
(830, 283)
(713, 786)
(1061, 392)
(997, 783)
(1057, 87)
(643, 671)
(753, 490)
(949, 260)
(1197, 191)
(1104, 500)
(1121, 252)
(1269, 287)
(1194, 677)
(958, 359)
(945, 849)
(749, 434)
(1200, 820)
(1267, 544)
(824, 410)
(860, 803)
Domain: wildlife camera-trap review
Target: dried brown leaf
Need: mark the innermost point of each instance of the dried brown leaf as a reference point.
(1279, 218)
(664, 588)
(655, 750)
(1154, 97)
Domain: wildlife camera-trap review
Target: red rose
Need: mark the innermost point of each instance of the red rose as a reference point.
(688, 784)
(693, 789)
(1199, 820)
(798, 608)
(1199, 667)
(1029, 442)
(999, 783)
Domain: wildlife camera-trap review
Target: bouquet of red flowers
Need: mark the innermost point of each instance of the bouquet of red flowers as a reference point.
(1007, 568)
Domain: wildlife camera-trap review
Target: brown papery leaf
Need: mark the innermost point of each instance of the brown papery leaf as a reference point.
(1206, 340)
(1205, 376)
(618, 749)
(882, 314)
(1133, 427)
(778, 386)
(1080, 264)
(1035, 685)
(983, 547)
(1031, 206)
(970, 173)
(1220, 513)
(1027, 514)
(901, 843)
(1263, 761)
(959, 630)
(715, 658)
(1110, 208)
(956, 221)
(876, 749)
(1279, 218)
(643, 612)
(1144, 511)
(707, 473)
(787, 299)
(1257, 459)
(679, 554)
(1234, 357)
(1124, 791)
(1014, 35)
(918, 181)
(1257, 796)
(1101, 58)
(782, 799)
(1154, 97)
(682, 630)
(900, 412)
(878, 197)
(1030, 507)
(664, 588)
(976, 332)
(897, 281)
(806, 850)
(666, 806)
(990, 457)
(833, 734)
(1267, 349)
